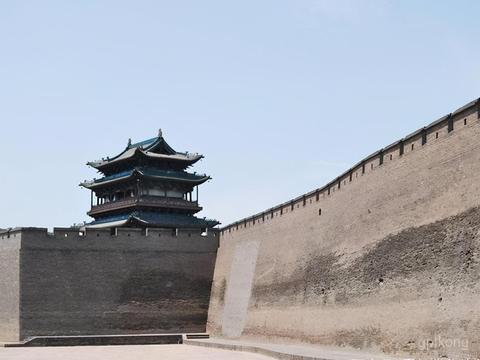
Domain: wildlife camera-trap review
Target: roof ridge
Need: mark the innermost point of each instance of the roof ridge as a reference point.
(143, 142)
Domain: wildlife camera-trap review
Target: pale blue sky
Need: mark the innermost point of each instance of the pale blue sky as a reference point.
(281, 96)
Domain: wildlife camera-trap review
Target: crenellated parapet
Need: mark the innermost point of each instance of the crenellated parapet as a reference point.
(102, 238)
(448, 125)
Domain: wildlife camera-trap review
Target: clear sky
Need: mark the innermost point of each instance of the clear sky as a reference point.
(280, 96)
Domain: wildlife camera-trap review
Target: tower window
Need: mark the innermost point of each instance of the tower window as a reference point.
(464, 121)
(391, 157)
(436, 135)
(413, 146)
(319, 212)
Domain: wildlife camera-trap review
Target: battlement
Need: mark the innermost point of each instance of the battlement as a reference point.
(67, 232)
(463, 118)
(112, 239)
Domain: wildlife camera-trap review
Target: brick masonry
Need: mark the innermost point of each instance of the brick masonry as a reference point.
(98, 283)
(385, 257)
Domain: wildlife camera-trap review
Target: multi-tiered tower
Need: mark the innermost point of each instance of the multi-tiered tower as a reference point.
(147, 185)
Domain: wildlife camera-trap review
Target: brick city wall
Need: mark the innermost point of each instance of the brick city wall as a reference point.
(385, 257)
(68, 283)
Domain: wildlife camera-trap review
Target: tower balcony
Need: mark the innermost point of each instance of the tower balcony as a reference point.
(145, 201)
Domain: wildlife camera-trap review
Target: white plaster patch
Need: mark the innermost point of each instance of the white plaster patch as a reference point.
(239, 288)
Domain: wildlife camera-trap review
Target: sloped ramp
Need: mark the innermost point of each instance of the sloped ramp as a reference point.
(289, 351)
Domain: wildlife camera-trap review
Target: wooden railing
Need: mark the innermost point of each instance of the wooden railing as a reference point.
(145, 200)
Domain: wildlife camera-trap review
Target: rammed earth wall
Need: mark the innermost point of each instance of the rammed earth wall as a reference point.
(386, 256)
(67, 284)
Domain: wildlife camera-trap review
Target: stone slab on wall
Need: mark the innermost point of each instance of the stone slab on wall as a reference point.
(386, 257)
(9, 289)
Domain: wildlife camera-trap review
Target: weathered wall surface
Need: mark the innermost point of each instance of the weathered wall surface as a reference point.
(386, 256)
(104, 284)
(9, 288)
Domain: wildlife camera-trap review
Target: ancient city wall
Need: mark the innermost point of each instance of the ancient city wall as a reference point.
(72, 283)
(385, 256)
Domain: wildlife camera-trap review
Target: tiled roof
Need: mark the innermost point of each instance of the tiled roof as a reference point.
(181, 176)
